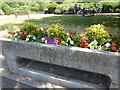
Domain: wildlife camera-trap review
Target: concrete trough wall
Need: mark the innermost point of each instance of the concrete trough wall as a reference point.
(104, 63)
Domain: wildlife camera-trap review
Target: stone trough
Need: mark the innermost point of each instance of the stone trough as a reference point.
(71, 67)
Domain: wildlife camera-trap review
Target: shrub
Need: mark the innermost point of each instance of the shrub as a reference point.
(30, 28)
(51, 7)
(56, 30)
(5, 7)
(65, 8)
(108, 6)
(97, 32)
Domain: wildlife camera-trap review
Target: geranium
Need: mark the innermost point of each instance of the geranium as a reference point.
(82, 44)
(10, 33)
(113, 48)
(86, 43)
(114, 44)
(83, 40)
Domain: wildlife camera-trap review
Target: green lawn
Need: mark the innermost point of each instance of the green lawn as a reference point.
(78, 23)
(71, 23)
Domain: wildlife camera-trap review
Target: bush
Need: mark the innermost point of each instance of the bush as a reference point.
(30, 28)
(51, 7)
(65, 8)
(108, 6)
(97, 32)
(56, 30)
(5, 7)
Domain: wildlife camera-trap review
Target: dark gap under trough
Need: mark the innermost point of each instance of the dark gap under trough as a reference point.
(76, 74)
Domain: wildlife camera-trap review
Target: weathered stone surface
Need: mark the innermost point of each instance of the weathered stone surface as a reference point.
(102, 62)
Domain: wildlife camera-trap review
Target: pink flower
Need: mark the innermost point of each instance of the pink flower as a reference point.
(46, 26)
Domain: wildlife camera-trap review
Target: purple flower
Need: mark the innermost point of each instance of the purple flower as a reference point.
(49, 41)
(54, 37)
(55, 42)
(73, 37)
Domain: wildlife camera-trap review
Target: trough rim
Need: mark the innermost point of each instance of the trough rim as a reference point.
(67, 47)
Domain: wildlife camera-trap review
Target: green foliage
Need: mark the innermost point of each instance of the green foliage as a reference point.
(97, 32)
(30, 28)
(56, 30)
(112, 6)
(65, 8)
(51, 7)
(5, 7)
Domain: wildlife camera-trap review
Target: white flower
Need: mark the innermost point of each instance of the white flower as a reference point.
(99, 48)
(46, 41)
(68, 39)
(27, 39)
(71, 42)
(34, 37)
(43, 39)
(107, 44)
(41, 29)
(15, 39)
(93, 42)
(66, 44)
(29, 35)
(21, 33)
(15, 34)
(67, 33)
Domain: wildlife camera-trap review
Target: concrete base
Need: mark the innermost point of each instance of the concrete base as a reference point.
(100, 62)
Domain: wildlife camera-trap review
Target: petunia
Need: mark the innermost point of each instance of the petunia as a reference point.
(46, 26)
(49, 41)
(68, 39)
(34, 37)
(55, 42)
(71, 42)
(107, 44)
(27, 39)
(73, 37)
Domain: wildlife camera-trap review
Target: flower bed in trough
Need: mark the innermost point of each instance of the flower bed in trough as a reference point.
(75, 65)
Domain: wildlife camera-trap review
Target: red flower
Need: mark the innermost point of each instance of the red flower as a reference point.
(10, 32)
(22, 31)
(26, 35)
(114, 44)
(22, 35)
(40, 30)
(72, 32)
(113, 48)
(86, 43)
(82, 40)
(57, 38)
(82, 44)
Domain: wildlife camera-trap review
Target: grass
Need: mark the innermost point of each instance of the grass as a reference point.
(71, 23)
(78, 24)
